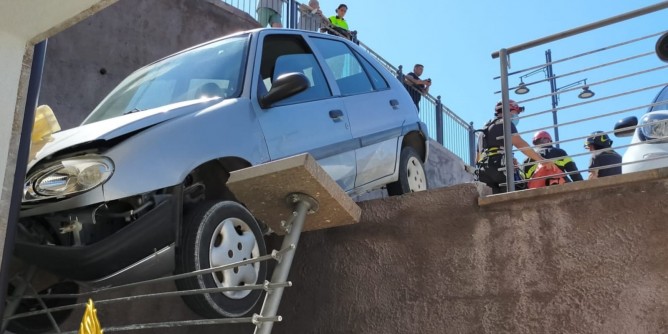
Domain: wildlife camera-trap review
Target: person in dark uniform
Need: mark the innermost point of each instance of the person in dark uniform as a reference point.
(598, 143)
(416, 87)
(491, 153)
(547, 151)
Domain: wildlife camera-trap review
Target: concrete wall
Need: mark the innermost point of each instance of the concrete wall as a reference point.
(551, 260)
(88, 60)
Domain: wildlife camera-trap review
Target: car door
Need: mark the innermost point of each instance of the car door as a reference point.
(376, 116)
(311, 121)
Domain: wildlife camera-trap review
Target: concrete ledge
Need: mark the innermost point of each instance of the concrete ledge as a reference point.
(264, 189)
(606, 182)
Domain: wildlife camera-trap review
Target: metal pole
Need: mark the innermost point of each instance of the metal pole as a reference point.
(400, 74)
(292, 7)
(553, 89)
(507, 135)
(439, 120)
(273, 297)
(32, 98)
(472, 144)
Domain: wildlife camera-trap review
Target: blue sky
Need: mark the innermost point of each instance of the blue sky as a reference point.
(455, 39)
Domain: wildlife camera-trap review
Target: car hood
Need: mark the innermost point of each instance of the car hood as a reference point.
(114, 127)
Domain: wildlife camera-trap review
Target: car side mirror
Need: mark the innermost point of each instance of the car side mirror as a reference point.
(626, 126)
(284, 86)
(662, 47)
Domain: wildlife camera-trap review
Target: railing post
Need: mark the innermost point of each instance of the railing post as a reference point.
(472, 145)
(507, 135)
(439, 120)
(292, 17)
(400, 74)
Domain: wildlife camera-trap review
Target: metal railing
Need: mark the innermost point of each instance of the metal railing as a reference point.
(444, 126)
(302, 205)
(625, 75)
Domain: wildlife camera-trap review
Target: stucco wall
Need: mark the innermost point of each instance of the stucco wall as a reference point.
(533, 262)
(551, 260)
(86, 61)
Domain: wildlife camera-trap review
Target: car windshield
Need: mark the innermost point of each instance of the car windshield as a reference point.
(208, 71)
(661, 97)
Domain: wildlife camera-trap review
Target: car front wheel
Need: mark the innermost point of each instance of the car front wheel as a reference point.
(220, 233)
(412, 176)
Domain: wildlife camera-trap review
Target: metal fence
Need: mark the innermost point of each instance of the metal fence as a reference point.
(443, 124)
(608, 83)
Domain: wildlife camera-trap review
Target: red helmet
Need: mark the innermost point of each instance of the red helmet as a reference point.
(511, 103)
(542, 137)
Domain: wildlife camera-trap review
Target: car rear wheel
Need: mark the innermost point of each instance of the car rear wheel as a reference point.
(412, 176)
(220, 233)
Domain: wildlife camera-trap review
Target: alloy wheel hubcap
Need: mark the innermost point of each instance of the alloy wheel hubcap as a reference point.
(234, 241)
(417, 180)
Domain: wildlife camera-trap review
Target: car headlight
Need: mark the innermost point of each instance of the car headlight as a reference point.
(654, 126)
(67, 177)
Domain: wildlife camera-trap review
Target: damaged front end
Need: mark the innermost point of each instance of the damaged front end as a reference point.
(96, 241)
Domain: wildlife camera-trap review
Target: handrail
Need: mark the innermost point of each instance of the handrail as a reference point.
(584, 28)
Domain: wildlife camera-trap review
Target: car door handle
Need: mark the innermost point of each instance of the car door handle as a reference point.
(394, 103)
(335, 114)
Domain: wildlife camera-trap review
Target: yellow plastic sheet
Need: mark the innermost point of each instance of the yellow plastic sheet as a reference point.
(89, 323)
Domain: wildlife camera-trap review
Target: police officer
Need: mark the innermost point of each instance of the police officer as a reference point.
(598, 143)
(491, 150)
(547, 151)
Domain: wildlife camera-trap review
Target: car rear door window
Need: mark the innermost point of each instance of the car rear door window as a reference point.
(377, 79)
(347, 69)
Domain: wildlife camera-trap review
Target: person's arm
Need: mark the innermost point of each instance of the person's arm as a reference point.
(414, 81)
(593, 174)
(526, 150)
(304, 8)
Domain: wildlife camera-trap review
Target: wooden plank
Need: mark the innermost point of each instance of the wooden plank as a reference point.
(264, 190)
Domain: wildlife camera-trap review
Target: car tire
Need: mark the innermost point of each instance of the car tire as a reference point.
(41, 323)
(412, 176)
(215, 234)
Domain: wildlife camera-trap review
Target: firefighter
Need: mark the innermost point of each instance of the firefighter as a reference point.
(543, 144)
(491, 152)
(599, 144)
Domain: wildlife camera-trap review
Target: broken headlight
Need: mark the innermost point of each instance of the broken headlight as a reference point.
(67, 177)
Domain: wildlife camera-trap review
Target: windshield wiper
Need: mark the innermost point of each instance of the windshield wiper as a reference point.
(132, 111)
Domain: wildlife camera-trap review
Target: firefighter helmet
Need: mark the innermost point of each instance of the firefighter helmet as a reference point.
(542, 137)
(511, 103)
(598, 139)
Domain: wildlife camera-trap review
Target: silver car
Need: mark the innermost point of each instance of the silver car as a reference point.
(138, 190)
(649, 148)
